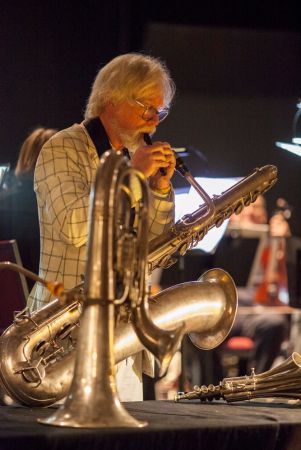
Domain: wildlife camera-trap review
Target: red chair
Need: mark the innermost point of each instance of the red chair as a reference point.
(234, 354)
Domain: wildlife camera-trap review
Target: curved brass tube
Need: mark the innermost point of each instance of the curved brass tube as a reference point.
(283, 381)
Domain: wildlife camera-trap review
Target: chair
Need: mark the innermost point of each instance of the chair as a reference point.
(234, 354)
(13, 285)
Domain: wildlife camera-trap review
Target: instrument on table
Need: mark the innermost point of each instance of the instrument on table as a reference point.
(283, 381)
(38, 350)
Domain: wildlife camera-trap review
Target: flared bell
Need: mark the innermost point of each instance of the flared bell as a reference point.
(92, 401)
(79, 416)
(219, 300)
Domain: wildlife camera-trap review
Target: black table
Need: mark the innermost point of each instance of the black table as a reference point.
(185, 426)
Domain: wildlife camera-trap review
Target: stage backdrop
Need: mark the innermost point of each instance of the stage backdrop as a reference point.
(237, 95)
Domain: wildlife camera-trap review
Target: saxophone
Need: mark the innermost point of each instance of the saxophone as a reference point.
(192, 228)
(37, 352)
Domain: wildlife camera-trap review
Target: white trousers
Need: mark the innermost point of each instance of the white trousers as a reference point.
(129, 379)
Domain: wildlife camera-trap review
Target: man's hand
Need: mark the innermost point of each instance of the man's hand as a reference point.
(149, 159)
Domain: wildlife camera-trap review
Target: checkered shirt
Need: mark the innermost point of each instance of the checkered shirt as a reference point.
(64, 174)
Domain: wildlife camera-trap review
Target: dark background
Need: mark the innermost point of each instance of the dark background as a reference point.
(237, 66)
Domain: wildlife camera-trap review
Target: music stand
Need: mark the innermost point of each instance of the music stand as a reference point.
(4, 169)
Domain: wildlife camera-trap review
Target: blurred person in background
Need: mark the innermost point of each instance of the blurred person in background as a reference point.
(18, 204)
(267, 331)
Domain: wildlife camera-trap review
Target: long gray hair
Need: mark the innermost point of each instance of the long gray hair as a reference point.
(129, 76)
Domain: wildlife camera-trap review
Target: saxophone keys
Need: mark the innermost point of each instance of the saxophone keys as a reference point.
(238, 209)
(219, 222)
(247, 201)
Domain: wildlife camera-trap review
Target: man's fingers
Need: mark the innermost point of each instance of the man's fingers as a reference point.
(159, 156)
(163, 147)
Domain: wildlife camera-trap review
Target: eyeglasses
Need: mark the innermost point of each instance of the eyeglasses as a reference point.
(149, 112)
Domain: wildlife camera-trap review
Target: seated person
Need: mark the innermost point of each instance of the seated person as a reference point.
(18, 204)
(268, 331)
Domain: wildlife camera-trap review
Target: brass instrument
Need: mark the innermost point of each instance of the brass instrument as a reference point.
(191, 228)
(38, 350)
(115, 274)
(282, 381)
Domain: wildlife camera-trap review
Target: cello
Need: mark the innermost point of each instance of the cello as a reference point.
(273, 291)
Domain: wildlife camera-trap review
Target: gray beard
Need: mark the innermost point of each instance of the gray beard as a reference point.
(130, 141)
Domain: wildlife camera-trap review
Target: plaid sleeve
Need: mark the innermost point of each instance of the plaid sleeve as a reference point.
(161, 213)
(63, 187)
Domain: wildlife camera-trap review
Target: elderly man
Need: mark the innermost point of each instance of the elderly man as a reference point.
(129, 97)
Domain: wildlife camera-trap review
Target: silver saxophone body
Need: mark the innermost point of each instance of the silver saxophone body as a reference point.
(38, 354)
(192, 228)
(38, 351)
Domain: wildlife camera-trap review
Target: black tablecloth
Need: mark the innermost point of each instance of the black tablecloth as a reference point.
(185, 426)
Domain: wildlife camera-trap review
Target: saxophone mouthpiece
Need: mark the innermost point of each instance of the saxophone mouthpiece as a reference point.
(180, 165)
(148, 141)
(180, 396)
